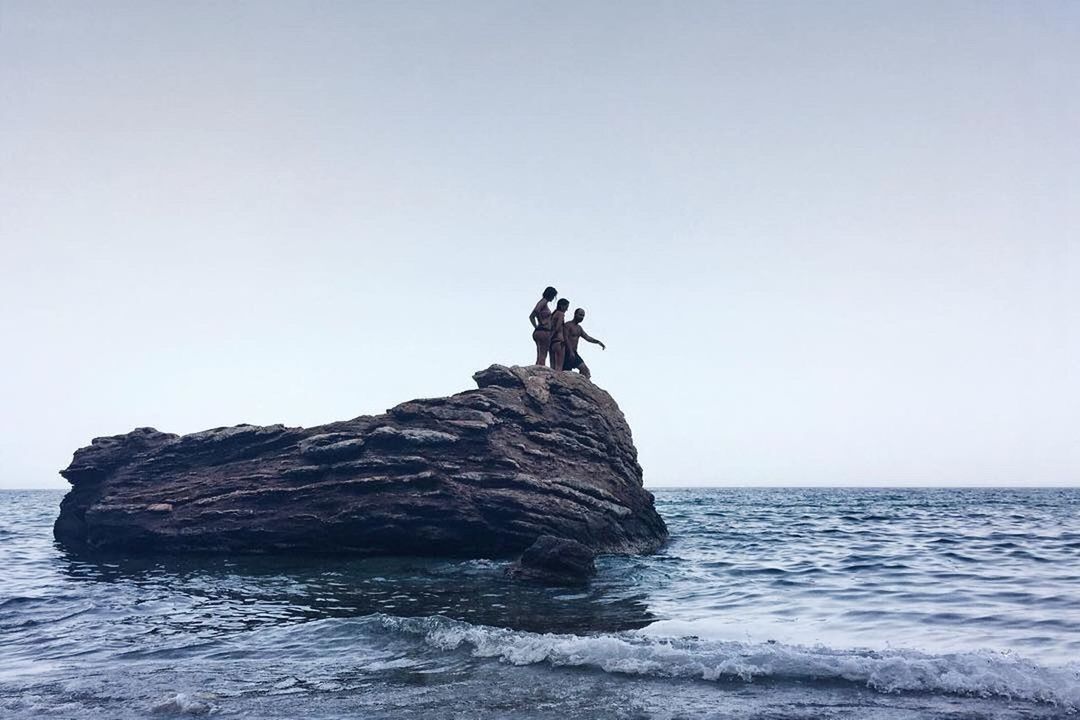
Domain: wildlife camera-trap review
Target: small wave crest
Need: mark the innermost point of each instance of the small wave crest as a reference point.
(982, 674)
(183, 704)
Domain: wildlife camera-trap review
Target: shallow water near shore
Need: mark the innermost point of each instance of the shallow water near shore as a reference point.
(767, 603)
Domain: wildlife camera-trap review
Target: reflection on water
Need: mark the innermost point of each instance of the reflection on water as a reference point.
(209, 593)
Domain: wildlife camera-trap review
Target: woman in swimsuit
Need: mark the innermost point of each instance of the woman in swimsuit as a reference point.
(558, 338)
(540, 318)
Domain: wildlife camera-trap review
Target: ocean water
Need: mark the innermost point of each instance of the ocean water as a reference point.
(767, 603)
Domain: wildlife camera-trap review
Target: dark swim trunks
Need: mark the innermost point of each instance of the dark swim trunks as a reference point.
(572, 361)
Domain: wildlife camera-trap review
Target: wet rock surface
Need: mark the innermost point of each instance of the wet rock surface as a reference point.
(555, 561)
(483, 473)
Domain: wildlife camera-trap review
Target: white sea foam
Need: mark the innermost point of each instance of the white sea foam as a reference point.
(982, 674)
(182, 703)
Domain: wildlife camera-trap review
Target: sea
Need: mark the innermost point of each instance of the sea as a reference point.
(766, 603)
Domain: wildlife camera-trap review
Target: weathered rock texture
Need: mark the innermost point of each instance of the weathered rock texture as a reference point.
(483, 473)
(555, 561)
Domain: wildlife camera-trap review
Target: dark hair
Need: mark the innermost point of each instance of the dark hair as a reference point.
(550, 293)
(563, 304)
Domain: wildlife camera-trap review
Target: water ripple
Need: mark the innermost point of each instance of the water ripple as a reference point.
(842, 590)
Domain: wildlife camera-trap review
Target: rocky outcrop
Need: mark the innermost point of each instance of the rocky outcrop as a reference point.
(554, 561)
(483, 473)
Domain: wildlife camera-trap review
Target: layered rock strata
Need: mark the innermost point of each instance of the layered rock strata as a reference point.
(483, 473)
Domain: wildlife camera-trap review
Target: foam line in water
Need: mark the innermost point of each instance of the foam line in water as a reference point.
(983, 674)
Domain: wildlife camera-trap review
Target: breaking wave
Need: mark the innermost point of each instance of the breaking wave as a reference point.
(980, 674)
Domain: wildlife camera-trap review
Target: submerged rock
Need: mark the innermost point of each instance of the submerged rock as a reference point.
(555, 561)
(483, 473)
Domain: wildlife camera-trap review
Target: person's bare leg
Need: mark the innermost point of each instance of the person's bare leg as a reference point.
(584, 370)
(558, 354)
(542, 339)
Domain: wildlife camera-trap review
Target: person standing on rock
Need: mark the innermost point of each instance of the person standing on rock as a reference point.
(540, 318)
(558, 337)
(573, 332)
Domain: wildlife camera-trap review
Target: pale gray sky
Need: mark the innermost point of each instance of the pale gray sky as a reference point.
(826, 242)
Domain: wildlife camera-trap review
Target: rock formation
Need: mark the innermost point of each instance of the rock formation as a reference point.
(483, 473)
(554, 561)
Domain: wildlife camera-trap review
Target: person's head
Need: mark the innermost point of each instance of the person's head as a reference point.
(579, 315)
(563, 304)
(550, 293)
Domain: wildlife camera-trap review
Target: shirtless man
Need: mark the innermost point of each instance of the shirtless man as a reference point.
(558, 340)
(573, 332)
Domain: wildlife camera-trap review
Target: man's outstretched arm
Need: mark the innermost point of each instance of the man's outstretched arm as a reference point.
(593, 340)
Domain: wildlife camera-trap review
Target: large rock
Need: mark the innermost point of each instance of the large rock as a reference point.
(483, 473)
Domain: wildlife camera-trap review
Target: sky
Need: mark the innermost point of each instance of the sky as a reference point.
(828, 243)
